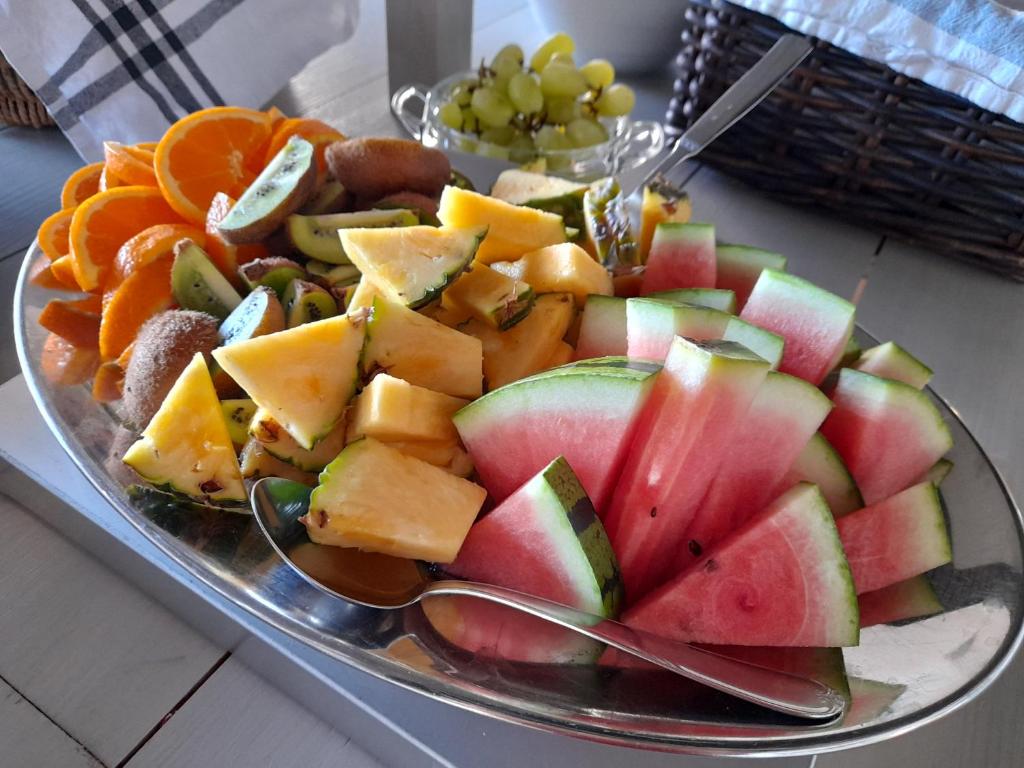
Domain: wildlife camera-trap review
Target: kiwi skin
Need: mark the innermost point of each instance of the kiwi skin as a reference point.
(372, 168)
(240, 325)
(164, 346)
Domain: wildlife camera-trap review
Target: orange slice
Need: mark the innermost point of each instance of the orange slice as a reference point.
(53, 234)
(143, 294)
(74, 323)
(81, 185)
(102, 224)
(108, 383)
(149, 245)
(206, 153)
(108, 180)
(228, 258)
(64, 363)
(130, 164)
(148, 145)
(63, 272)
(40, 274)
(316, 132)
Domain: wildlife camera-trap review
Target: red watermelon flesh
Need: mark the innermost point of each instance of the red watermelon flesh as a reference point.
(682, 435)
(814, 323)
(913, 598)
(585, 412)
(682, 256)
(785, 414)
(888, 433)
(545, 540)
(602, 327)
(895, 539)
(651, 324)
(739, 266)
(780, 580)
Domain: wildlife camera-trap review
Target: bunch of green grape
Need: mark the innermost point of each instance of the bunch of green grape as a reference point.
(550, 105)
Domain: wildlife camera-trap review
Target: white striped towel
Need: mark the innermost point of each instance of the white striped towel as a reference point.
(126, 69)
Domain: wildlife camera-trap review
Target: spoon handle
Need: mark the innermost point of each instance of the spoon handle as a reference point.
(778, 691)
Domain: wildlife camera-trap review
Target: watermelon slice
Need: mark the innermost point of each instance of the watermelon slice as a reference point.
(940, 471)
(739, 266)
(682, 435)
(819, 463)
(682, 256)
(785, 413)
(715, 298)
(651, 324)
(851, 354)
(888, 433)
(602, 327)
(891, 361)
(545, 540)
(781, 579)
(913, 598)
(765, 344)
(814, 323)
(890, 541)
(584, 412)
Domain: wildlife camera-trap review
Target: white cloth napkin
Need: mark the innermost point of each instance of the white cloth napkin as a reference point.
(125, 69)
(973, 48)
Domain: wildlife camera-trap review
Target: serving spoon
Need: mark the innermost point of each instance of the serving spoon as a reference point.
(379, 581)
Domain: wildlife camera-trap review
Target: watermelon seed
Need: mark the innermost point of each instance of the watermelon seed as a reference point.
(695, 548)
(711, 565)
(654, 511)
(210, 486)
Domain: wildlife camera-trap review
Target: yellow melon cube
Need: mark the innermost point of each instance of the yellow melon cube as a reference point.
(562, 268)
(393, 409)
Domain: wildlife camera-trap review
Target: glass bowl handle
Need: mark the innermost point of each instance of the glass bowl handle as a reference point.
(414, 122)
(641, 141)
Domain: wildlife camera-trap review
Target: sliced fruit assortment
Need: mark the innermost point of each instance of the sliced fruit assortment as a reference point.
(299, 309)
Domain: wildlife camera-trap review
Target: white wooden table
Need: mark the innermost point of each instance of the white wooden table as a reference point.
(122, 662)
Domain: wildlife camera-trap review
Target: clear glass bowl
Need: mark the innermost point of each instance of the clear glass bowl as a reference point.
(630, 143)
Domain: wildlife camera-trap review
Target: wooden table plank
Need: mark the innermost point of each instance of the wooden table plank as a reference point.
(236, 719)
(30, 739)
(101, 659)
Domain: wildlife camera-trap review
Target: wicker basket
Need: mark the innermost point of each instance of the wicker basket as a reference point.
(861, 140)
(18, 105)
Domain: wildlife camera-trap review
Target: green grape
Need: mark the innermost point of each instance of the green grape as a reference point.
(492, 109)
(461, 93)
(564, 58)
(549, 138)
(451, 115)
(616, 101)
(584, 132)
(500, 84)
(557, 43)
(508, 61)
(560, 79)
(469, 122)
(561, 111)
(492, 150)
(501, 136)
(525, 94)
(599, 73)
(521, 149)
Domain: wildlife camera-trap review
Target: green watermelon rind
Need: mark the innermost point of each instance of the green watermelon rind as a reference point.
(828, 457)
(749, 256)
(892, 356)
(721, 299)
(685, 232)
(764, 343)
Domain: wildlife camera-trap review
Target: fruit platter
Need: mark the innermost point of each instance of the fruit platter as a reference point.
(502, 375)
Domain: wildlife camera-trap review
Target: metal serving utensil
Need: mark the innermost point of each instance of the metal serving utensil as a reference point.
(377, 581)
(741, 97)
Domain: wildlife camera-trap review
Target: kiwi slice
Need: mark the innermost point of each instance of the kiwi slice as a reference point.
(284, 186)
(259, 314)
(197, 284)
(332, 275)
(317, 236)
(306, 302)
(332, 198)
(274, 272)
(238, 415)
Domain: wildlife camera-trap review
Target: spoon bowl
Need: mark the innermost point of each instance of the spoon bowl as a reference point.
(385, 582)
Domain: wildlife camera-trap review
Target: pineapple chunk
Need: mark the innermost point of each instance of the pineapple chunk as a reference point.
(279, 444)
(411, 265)
(186, 445)
(377, 499)
(655, 209)
(512, 229)
(392, 409)
(303, 377)
(256, 463)
(510, 355)
(446, 314)
(449, 456)
(491, 297)
(363, 295)
(422, 351)
(562, 268)
(563, 354)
